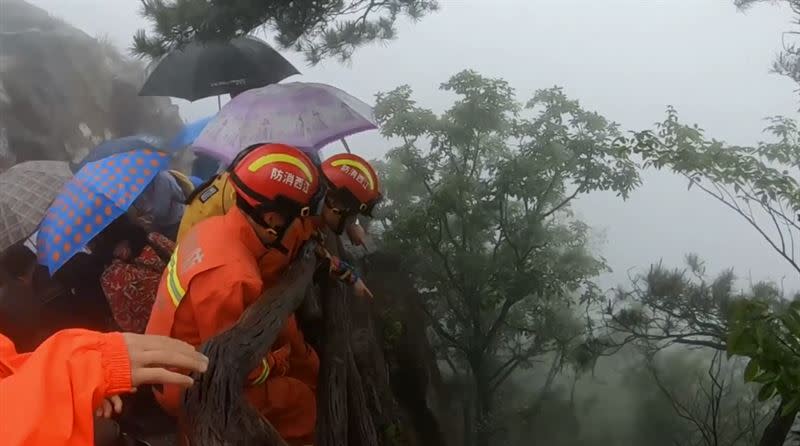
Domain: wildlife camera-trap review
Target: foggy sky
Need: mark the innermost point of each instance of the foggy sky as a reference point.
(627, 59)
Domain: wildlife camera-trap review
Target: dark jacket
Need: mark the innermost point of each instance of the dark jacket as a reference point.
(82, 303)
(20, 314)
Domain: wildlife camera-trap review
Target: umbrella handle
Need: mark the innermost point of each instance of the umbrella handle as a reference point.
(346, 146)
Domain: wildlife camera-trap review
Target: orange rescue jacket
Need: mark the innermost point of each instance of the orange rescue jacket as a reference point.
(218, 197)
(48, 397)
(213, 276)
(274, 262)
(210, 279)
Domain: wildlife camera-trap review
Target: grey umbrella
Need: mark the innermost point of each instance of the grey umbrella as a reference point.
(26, 191)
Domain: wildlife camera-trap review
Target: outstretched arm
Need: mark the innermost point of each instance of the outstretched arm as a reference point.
(343, 271)
(49, 396)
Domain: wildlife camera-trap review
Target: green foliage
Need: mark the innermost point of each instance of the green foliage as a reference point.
(478, 203)
(769, 334)
(750, 171)
(684, 307)
(394, 435)
(673, 306)
(664, 309)
(760, 184)
(486, 220)
(318, 28)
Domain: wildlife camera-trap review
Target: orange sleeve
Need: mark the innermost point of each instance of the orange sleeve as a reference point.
(48, 396)
(219, 298)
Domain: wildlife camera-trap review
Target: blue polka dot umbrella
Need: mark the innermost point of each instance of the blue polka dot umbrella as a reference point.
(99, 192)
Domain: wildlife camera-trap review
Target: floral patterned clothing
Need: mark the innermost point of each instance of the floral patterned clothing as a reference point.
(130, 285)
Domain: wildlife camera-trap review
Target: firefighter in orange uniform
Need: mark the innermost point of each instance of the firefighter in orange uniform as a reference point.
(215, 274)
(353, 189)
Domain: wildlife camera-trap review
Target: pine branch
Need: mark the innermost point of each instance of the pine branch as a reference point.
(319, 28)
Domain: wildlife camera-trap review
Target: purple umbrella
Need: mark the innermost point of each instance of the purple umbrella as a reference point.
(301, 114)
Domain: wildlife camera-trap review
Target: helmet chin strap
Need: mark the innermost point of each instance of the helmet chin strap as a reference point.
(341, 226)
(258, 218)
(344, 218)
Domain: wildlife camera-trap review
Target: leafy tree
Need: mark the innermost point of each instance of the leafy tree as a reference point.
(769, 335)
(478, 203)
(318, 28)
(788, 61)
(672, 307)
(759, 184)
(684, 307)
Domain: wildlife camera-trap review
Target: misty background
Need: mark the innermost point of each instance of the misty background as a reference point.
(626, 59)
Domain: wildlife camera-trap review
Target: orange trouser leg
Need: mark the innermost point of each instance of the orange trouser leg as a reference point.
(304, 367)
(303, 361)
(290, 405)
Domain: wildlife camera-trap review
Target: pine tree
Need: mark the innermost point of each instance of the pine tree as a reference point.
(788, 61)
(318, 28)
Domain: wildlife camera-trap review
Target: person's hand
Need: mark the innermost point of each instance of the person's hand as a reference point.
(278, 360)
(356, 234)
(146, 221)
(151, 356)
(142, 217)
(123, 250)
(109, 406)
(360, 289)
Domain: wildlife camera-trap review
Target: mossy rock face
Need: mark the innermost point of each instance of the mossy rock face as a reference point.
(395, 435)
(393, 329)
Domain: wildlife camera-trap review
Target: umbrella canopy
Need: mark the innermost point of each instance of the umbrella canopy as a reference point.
(188, 134)
(99, 193)
(305, 115)
(26, 191)
(119, 145)
(202, 70)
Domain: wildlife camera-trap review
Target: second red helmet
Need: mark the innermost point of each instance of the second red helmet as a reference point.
(353, 175)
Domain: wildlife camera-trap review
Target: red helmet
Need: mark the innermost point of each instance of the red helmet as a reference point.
(353, 179)
(275, 177)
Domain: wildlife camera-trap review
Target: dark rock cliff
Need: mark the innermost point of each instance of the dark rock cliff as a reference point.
(62, 91)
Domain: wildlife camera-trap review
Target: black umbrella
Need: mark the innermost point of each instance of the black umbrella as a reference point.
(215, 68)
